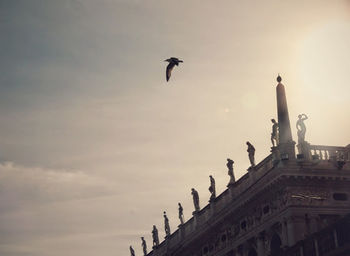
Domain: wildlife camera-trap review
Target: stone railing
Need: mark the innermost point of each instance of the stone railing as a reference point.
(200, 218)
(330, 152)
(236, 191)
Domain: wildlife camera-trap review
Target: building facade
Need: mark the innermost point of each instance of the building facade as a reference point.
(291, 203)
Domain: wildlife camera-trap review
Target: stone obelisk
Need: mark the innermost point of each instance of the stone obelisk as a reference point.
(286, 145)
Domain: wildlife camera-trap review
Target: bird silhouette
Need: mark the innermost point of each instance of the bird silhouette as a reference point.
(172, 62)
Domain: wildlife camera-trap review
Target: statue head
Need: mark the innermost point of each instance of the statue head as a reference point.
(248, 143)
(273, 120)
(300, 116)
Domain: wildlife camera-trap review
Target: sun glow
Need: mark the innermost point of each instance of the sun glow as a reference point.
(324, 60)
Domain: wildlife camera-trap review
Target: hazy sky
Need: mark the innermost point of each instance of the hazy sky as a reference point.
(95, 145)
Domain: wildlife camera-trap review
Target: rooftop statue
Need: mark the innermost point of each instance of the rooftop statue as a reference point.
(144, 246)
(195, 200)
(275, 133)
(132, 252)
(166, 225)
(155, 236)
(212, 189)
(301, 128)
(230, 171)
(181, 214)
(251, 154)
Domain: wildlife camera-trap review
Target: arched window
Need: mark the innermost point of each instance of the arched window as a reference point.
(252, 252)
(223, 238)
(275, 245)
(340, 196)
(266, 209)
(205, 250)
(231, 253)
(243, 225)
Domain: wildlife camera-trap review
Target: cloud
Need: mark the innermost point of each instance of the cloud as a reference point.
(49, 211)
(22, 185)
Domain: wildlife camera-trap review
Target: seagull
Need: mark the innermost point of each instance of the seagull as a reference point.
(172, 62)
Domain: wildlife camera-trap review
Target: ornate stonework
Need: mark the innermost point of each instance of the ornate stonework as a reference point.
(282, 200)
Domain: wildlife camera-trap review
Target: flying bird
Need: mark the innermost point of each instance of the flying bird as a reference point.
(172, 62)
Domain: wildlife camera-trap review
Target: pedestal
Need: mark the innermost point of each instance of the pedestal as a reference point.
(286, 151)
(304, 149)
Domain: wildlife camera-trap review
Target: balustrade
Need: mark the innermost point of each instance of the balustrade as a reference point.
(330, 152)
(188, 229)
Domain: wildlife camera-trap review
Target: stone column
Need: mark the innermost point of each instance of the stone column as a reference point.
(316, 247)
(260, 244)
(335, 235)
(291, 231)
(313, 224)
(284, 233)
(285, 132)
(286, 143)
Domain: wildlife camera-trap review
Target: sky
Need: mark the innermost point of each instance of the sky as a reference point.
(95, 144)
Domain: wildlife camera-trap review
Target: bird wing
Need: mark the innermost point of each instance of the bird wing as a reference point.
(175, 59)
(169, 68)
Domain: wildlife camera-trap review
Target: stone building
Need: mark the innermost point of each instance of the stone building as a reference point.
(288, 204)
